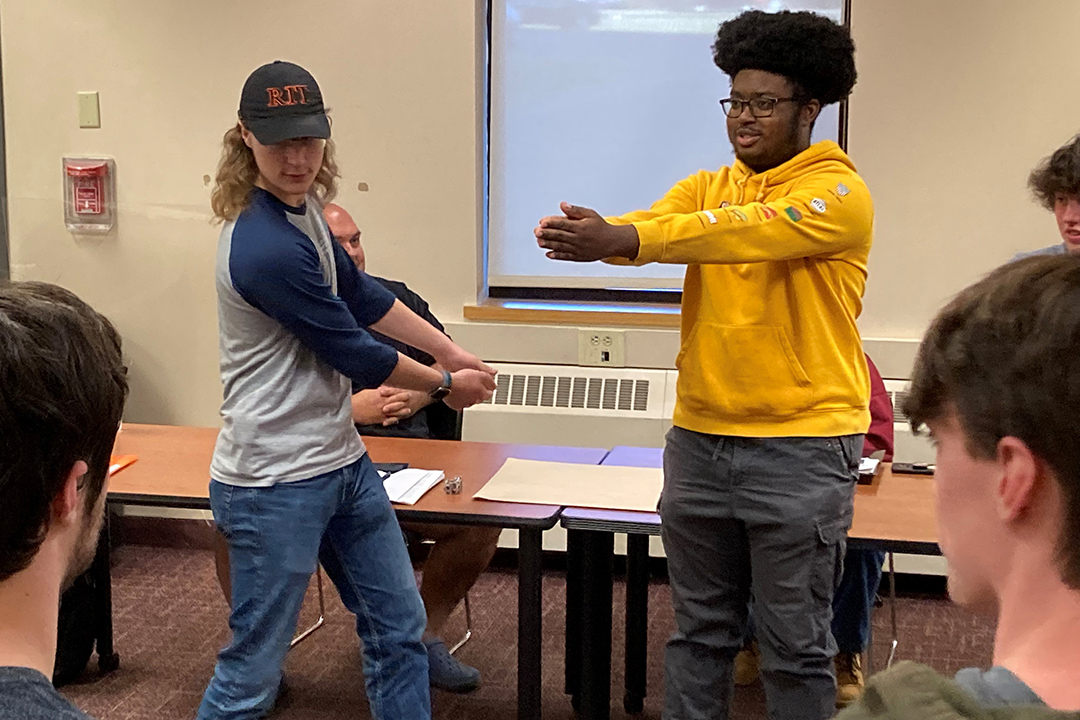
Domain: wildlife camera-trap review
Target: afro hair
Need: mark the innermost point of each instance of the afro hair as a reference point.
(1057, 174)
(810, 50)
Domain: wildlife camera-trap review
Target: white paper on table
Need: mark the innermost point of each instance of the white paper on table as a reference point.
(608, 487)
(868, 466)
(407, 486)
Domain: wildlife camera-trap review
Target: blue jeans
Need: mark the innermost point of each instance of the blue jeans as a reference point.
(853, 605)
(276, 534)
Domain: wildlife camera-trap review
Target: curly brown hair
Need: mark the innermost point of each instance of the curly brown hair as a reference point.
(1004, 355)
(1058, 174)
(237, 172)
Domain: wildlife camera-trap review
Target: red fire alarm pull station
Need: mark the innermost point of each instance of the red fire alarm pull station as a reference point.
(90, 194)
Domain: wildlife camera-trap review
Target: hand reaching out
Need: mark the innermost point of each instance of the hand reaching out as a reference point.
(582, 235)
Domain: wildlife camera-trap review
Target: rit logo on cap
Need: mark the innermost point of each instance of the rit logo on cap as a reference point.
(288, 95)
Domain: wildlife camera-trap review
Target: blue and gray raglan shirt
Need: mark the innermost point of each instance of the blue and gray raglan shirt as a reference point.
(292, 318)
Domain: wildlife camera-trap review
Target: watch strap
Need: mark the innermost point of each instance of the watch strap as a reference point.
(444, 389)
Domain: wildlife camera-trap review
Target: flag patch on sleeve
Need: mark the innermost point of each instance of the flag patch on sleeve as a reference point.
(794, 214)
(818, 204)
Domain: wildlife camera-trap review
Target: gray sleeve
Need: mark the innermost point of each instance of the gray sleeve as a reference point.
(997, 687)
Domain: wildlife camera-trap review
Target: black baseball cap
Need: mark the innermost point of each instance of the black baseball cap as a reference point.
(281, 101)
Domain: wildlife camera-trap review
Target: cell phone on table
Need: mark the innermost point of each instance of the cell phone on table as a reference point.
(385, 470)
(913, 468)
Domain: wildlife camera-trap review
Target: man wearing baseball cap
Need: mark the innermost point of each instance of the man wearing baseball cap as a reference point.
(281, 101)
(292, 484)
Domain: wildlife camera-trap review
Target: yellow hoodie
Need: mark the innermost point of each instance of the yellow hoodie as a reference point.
(775, 278)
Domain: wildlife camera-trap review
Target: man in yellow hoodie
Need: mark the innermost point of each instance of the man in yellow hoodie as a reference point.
(761, 464)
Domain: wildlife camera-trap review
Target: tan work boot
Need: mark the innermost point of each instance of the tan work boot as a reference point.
(849, 678)
(748, 665)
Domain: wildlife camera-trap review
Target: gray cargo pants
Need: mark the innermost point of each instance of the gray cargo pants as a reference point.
(754, 517)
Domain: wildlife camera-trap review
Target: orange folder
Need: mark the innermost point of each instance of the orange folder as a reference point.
(119, 462)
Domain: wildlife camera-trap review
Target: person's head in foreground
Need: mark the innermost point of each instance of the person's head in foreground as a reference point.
(784, 67)
(62, 390)
(346, 232)
(281, 143)
(997, 384)
(1056, 185)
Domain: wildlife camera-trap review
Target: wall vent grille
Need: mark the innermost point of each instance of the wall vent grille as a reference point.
(570, 391)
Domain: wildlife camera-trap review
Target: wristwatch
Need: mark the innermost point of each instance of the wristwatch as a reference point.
(444, 389)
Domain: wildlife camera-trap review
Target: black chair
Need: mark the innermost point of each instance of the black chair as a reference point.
(444, 423)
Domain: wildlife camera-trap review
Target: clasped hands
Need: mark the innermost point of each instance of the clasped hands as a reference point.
(582, 235)
(387, 405)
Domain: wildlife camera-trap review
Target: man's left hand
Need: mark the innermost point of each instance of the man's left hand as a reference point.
(582, 235)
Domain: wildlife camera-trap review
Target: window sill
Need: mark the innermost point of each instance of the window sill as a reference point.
(561, 313)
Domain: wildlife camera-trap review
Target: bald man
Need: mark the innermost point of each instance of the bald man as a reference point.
(392, 412)
(460, 554)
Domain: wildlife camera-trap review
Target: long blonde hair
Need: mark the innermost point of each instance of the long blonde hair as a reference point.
(237, 173)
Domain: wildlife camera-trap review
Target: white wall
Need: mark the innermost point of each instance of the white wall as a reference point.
(956, 101)
(955, 104)
(401, 79)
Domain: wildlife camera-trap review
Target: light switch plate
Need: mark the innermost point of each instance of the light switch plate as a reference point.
(89, 110)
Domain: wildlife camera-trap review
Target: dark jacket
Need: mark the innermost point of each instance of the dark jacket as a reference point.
(436, 420)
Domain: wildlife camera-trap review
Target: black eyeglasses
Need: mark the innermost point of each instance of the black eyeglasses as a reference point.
(759, 107)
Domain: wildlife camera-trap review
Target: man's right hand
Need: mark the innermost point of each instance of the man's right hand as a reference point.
(469, 387)
(458, 358)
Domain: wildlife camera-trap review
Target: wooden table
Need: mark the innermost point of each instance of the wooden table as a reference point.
(895, 513)
(173, 471)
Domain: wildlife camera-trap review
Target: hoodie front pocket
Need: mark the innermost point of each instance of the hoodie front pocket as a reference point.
(741, 370)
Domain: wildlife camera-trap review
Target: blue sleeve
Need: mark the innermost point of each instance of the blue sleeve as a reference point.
(279, 273)
(368, 301)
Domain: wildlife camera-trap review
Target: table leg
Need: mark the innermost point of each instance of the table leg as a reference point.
(529, 628)
(575, 576)
(108, 660)
(637, 621)
(595, 688)
(870, 646)
(892, 612)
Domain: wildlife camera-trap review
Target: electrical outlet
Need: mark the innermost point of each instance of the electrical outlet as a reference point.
(605, 348)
